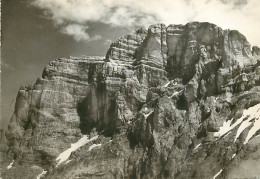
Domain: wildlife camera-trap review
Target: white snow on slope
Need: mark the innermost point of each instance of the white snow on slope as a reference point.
(65, 155)
(229, 97)
(10, 165)
(250, 116)
(94, 146)
(220, 171)
(68, 161)
(197, 146)
(226, 127)
(175, 93)
(41, 174)
(233, 155)
(252, 113)
(227, 134)
(242, 127)
(254, 129)
(147, 115)
(166, 84)
(257, 135)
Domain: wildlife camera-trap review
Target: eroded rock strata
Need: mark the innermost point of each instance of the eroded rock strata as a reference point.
(181, 101)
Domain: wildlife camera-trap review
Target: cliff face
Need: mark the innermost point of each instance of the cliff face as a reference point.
(181, 101)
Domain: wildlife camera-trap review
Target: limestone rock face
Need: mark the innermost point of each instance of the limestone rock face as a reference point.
(181, 101)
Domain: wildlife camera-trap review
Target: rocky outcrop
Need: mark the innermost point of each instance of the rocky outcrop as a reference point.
(181, 101)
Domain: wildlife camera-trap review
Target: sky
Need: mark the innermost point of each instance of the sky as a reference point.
(35, 32)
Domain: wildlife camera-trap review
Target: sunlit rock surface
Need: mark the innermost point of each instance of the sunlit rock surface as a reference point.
(181, 101)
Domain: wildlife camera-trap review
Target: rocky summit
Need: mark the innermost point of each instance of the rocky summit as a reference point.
(177, 102)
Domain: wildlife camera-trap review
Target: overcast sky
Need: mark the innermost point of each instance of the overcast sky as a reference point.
(37, 31)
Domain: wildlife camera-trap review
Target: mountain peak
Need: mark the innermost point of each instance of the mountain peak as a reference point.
(155, 106)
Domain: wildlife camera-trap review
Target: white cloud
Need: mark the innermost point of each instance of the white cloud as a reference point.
(237, 14)
(96, 37)
(77, 31)
(108, 42)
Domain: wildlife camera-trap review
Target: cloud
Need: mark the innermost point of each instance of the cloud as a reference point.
(79, 32)
(242, 15)
(235, 2)
(108, 42)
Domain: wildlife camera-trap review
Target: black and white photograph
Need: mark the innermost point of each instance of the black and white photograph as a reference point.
(130, 89)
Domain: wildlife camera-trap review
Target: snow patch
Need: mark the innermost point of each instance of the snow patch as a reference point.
(41, 174)
(227, 134)
(251, 113)
(10, 165)
(228, 97)
(257, 135)
(65, 155)
(167, 84)
(68, 161)
(242, 127)
(253, 130)
(175, 94)
(220, 171)
(197, 146)
(147, 115)
(233, 155)
(94, 146)
(226, 127)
